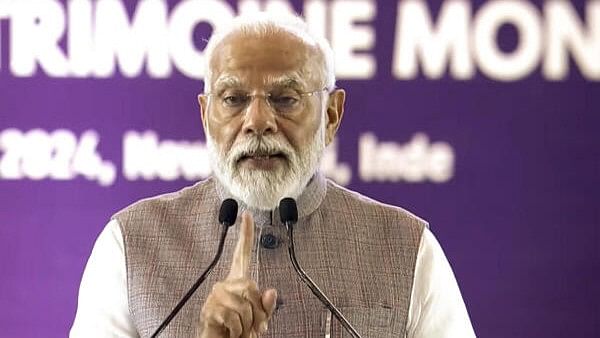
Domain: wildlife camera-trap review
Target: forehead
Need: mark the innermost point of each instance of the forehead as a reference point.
(258, 60)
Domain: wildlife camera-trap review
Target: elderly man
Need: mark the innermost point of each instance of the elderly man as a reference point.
(269, 109)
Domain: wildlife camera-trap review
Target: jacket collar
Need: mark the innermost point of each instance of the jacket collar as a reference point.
(307, 202)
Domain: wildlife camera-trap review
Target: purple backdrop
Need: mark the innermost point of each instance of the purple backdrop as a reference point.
(513, 203)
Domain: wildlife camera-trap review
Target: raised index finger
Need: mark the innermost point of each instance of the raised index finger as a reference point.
(243, 249)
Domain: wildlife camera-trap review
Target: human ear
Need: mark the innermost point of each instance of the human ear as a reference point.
(335, 111)
(202, 100)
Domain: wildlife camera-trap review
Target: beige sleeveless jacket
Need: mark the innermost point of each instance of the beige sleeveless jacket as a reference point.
(360, 252)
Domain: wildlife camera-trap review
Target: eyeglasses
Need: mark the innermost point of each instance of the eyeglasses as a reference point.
(281, 100)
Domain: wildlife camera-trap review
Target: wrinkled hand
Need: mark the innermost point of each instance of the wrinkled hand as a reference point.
(235, 307)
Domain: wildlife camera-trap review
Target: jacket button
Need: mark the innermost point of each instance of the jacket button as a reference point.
(268, 241)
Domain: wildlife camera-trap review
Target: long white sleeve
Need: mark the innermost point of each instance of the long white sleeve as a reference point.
(103, 308)
(436, 308)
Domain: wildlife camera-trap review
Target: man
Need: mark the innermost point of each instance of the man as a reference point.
(269, 109)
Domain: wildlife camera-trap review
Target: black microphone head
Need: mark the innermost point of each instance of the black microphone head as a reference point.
(228, 212)
(288, 211)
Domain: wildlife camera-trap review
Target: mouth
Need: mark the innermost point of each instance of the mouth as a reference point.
(262, 160)
(261, 156)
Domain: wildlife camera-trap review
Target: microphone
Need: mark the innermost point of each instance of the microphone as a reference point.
(227, 216)
(289, 216)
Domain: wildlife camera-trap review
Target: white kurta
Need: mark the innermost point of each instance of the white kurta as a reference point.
(436, 309)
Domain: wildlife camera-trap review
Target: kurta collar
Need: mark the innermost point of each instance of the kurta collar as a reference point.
(307, 202)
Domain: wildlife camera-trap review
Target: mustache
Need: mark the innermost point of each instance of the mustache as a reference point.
(260, 146)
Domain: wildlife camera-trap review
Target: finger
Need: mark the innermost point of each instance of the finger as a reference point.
(269, 301)
(242, 307)
(213, 330)
(259, 314)
(232, 322)
(243, 250)
(224, 318)
(248, 291)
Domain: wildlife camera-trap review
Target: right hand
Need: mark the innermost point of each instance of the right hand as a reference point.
(235, 307)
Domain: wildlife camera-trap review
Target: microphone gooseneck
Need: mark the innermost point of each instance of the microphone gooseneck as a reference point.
(227, 216)
(288, 211)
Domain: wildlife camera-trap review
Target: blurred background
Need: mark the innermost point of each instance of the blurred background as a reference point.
(479, 116)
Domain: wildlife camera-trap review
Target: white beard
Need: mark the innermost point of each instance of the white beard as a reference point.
(262, 189)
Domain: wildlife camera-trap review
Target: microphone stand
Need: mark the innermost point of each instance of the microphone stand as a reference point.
(194, 287)
(312, 286)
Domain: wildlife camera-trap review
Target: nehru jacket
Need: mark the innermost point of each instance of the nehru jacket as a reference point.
(360, 252)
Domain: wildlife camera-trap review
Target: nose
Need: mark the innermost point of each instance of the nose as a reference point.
(259, 117)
